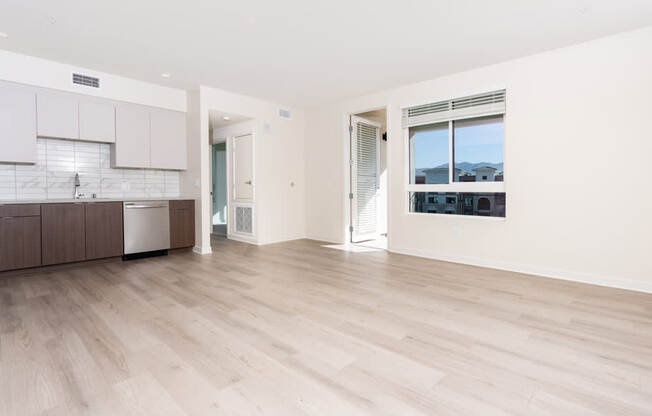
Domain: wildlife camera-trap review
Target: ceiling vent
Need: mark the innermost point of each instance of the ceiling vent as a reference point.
(285, 113)
(85, 80)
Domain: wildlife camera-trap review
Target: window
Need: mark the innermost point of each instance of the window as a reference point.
(475, 204)
(429, 154)
(456, 151)
(478, 148)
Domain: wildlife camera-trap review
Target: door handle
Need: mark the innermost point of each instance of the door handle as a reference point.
(248, 182)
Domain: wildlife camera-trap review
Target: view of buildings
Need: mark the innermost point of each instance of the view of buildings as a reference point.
(486, 204)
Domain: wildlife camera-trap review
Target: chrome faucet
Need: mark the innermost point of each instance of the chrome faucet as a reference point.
(76, 194)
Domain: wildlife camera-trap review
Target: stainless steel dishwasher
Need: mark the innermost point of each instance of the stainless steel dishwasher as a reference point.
(146, 228)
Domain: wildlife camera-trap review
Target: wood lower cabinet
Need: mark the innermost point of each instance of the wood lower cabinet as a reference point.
(182, 223)
(103, 230)
(20, 236)
(46, 234)
(63, 233)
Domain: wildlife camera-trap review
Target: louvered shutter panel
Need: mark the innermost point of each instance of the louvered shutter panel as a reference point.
(479, 105)
(365, 164)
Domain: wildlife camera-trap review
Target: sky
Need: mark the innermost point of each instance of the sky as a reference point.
(475, 141)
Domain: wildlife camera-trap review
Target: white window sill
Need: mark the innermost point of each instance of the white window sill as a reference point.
(454, 216)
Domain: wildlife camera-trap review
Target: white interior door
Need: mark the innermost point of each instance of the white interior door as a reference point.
(365, 147)
(243, 185)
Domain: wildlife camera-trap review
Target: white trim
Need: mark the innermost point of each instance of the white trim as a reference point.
(454, 216)
(324, 239)
(277, 241)
(243, 238)
(202, 250)
(451, 154)
(560, 274)
(458, 187)
(356, 119)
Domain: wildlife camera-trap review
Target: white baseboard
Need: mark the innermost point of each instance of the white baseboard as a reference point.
(283, 240)
(202, 250)
(242, 239)
(325, 239)
(573, 276)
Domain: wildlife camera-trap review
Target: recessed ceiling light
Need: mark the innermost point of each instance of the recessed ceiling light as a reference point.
(165, 75)
(226, 118)
(3, 35)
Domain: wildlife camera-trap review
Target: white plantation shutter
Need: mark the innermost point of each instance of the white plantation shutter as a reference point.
(460, 108)
(364, 146)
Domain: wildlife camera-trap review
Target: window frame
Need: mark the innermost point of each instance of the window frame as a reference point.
(451, 186)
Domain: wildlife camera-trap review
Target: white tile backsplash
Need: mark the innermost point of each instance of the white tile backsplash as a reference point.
(7, 181)
(53, 175)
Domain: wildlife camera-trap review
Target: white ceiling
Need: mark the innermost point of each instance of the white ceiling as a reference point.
(303, 52)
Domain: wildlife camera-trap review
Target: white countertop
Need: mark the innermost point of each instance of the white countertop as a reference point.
(69, 200)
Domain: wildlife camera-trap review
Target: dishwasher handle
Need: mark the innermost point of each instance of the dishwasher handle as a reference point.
(130, 206)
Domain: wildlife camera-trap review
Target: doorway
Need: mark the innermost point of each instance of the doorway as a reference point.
(232, 177)
(218, 190)
(369, 179)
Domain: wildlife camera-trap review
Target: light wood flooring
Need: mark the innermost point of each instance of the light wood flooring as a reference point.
(299, 329)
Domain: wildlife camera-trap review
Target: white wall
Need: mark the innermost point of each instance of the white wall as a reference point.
(576, 130)
(39, 72)
(279, 161)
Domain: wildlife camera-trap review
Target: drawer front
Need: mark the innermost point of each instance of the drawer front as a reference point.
(182, 204)
(20, 210)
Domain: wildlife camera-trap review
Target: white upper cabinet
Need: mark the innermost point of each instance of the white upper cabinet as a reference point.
(168, 140)
(132, 138)
(17, 124)
(57, 115)
(96, 120)
(141, 136)
(75, 117)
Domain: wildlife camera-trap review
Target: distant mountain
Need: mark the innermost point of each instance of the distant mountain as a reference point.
(469, 167)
